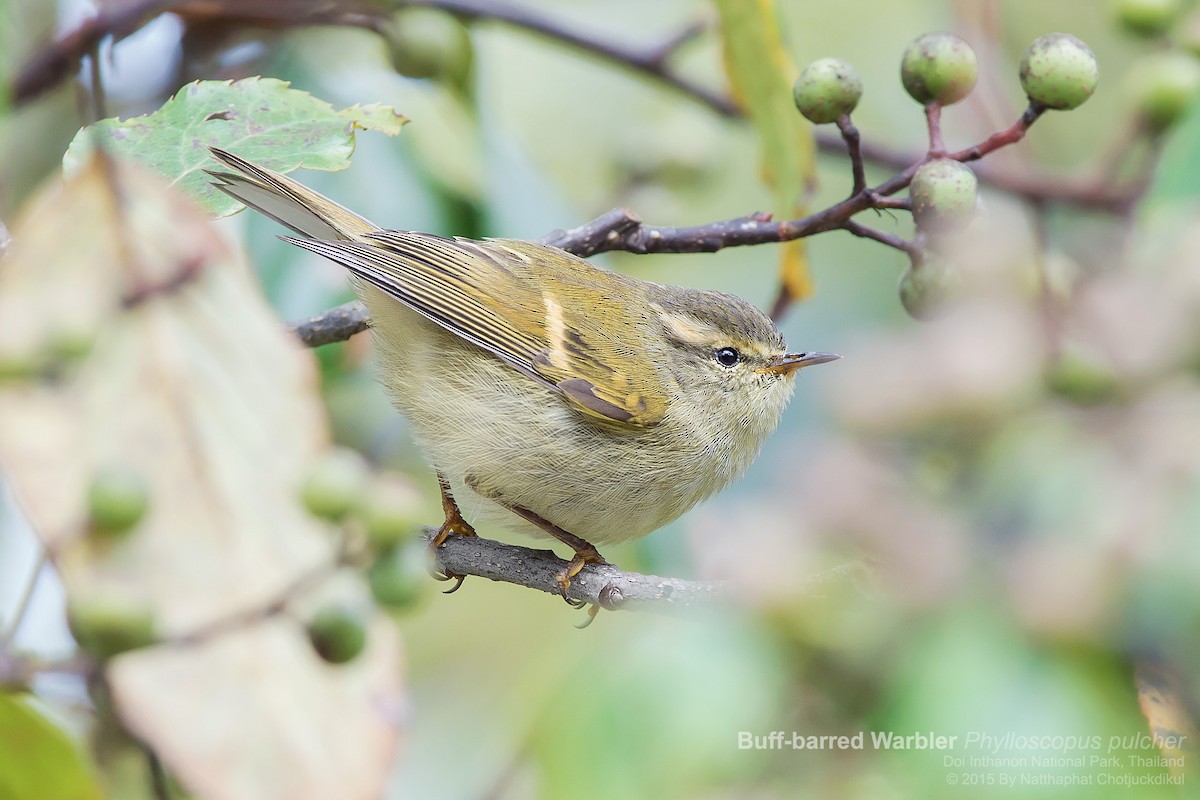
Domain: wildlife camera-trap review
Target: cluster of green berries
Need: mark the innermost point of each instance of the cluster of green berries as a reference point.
(1058, 71)
(107, 623)
(340, 488)
(1164, 84)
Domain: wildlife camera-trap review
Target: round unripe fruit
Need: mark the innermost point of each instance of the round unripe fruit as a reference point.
(1059, 71)
(1081, 383)
(108, 625)
(939, 68)
(926, 287)
(1147, 17)
(70, 345)
(396, 577)
(14, 368)
(428, 43)
(826, 89)
(117, 500)
(337, 634)
(1164, 87)
(334, 485)
(943, 195)
(389, 516)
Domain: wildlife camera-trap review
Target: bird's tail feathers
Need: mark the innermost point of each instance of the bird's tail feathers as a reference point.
(287, 202)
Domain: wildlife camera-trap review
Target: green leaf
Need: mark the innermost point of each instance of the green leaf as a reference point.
(262, 119)
(37, 758)
(762, 74)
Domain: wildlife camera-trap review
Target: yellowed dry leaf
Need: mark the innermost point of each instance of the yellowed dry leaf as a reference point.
(192, 382)
(761, 73)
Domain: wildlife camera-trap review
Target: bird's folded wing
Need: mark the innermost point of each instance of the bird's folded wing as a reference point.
(572, 337)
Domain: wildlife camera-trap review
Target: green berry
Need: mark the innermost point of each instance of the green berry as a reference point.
(15, 368)
(117, 500)
(397, 576)
(334, 485)
(943, 195)
(108, 625)
(337, 634)
(1081, 383)
(1148, 18)
(70, 345)
(1164, 86)
(826, 89)
(927, 286)
(428, 43)
(939, 68)
(389, 515)
(1059, 71)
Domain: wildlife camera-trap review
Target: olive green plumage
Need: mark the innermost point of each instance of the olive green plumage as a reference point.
(605, 404)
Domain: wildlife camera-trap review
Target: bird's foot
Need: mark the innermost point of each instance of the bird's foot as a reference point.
(587, 554)
(454, 525)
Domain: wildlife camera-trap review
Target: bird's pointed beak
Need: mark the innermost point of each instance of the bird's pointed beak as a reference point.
(788, 363)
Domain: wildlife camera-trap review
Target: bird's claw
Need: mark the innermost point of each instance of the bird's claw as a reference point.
(454, 525)
(443, 575)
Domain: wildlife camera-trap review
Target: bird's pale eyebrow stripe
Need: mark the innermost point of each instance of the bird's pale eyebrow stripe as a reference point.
(686, 328)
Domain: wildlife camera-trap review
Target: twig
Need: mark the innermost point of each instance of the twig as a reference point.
(598, 584)
(18, 669)
(889, 239)
(593, 237)
(854, 148)
(623, 230)
(649, 61)
(307, 580)
(933, 121)
(673, 44)
(10, 633)
(157, 773)
(335, 325)
(1011, 135)
(900, 203)
(61, 59)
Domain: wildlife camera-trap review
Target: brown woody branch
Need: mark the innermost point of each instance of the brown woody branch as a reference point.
(335, 325)
(651, 61)
(61, 59)
(623, 230)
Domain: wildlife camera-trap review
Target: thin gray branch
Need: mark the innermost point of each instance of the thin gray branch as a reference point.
(335, 325)
(604, 585)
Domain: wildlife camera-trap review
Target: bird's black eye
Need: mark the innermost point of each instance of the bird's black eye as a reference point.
(727, 357)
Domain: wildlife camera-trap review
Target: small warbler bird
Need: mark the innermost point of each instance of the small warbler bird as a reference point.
(550, 395)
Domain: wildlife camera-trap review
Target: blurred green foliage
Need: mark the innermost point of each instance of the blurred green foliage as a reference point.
(39, 759)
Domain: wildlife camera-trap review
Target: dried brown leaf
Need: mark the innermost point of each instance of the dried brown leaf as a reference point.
(191, 381)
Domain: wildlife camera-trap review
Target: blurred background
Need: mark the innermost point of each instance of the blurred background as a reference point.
(986, 522)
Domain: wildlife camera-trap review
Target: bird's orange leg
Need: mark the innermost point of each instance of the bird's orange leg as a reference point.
(585, 553)
(454, 525)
